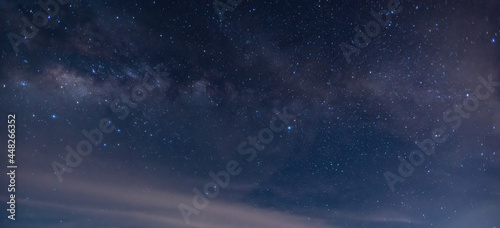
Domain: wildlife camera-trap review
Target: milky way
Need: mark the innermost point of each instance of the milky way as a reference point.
(231, 113)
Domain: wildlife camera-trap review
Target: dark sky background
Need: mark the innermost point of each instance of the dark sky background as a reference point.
(225, 81)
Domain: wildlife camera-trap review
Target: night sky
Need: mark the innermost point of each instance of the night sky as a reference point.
(234, 113)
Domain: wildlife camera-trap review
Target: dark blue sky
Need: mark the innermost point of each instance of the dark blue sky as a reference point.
(321, 114)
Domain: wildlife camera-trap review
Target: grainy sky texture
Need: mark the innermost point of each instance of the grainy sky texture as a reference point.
(234, 113)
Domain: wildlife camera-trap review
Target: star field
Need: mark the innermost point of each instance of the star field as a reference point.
(231, 113)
